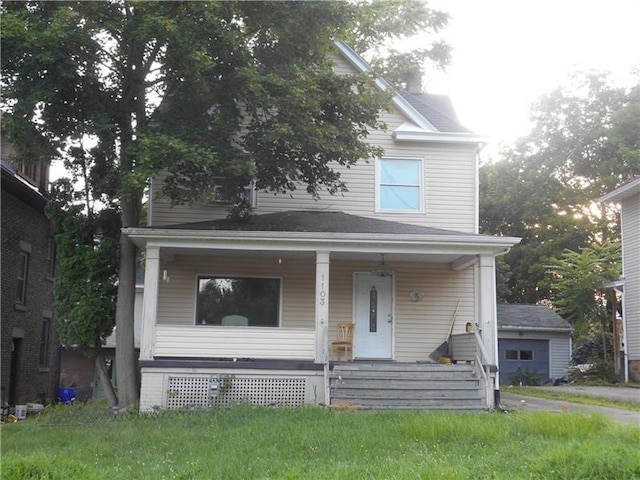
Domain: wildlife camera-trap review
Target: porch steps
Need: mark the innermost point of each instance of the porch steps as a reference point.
(405, 386)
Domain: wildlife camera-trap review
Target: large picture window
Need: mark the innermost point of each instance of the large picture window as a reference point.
(238, 301)
(400, 185)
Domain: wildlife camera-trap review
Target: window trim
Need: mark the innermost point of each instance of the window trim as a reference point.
(250, 191)
(519, 355)
(266, 277)
(421, 186)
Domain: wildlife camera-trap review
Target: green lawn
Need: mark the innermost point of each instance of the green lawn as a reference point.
(315, 443)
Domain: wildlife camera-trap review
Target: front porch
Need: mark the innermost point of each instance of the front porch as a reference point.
(195, 383)
(431, 282)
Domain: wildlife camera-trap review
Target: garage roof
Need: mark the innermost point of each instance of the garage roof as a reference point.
(527, 317)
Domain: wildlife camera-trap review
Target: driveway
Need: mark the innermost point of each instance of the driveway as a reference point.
(524, 403)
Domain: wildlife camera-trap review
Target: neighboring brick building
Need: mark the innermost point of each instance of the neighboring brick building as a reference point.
(29, 341)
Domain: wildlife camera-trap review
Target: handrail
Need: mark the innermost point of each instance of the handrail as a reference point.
(325, 361)
(485, 367)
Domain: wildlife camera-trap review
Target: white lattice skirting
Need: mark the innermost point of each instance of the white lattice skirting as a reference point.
(227, 390)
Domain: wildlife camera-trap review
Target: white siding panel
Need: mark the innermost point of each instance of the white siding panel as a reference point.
(630, 217)
(242, 342)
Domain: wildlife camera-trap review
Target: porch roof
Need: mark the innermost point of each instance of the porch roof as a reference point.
(317, 222)
(294, 232)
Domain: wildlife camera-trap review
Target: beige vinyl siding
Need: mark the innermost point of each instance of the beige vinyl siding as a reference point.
(559, 348)
(240, 342)
(419, 327)
(449, 189)
(449, 185)
(163, 213)
(176, 299)
(630, 218)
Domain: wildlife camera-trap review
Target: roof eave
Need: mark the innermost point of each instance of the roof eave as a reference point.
(439, 137)
(160, 236)
(535, 329)
(631, 188)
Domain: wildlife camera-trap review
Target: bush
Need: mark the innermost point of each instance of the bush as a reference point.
(527, 377)
(596, 370)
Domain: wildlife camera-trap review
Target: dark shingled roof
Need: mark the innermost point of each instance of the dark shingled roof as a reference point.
(437, 109)
(526, 316)
(314, 221)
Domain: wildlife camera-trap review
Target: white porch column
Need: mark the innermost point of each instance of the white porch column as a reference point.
(322, 305)
(487, 307)
(150, 302)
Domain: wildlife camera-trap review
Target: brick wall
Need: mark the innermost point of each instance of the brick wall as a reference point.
(634, 370)
(25, 228)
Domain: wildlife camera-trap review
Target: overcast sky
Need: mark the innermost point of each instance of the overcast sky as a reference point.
(507, 53)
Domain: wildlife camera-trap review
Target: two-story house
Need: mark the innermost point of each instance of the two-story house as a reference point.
(239, 312)
(628, 198)
(29, 341)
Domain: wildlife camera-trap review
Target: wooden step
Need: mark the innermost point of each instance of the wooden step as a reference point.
(388, 385)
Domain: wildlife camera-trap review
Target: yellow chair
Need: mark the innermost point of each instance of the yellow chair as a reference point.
(344, 343)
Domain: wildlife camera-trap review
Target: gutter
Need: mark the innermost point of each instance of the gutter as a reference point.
(535, 329)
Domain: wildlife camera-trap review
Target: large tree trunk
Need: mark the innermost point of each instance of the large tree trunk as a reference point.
(105, 380)
(126, 358)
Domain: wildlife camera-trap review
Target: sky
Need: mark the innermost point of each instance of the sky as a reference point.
(508, 53)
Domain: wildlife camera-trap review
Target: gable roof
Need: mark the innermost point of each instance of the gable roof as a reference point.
(431, 117)
(529, 317)
(438, 109)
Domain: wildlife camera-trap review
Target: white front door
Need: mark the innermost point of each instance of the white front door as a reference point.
(373, 312)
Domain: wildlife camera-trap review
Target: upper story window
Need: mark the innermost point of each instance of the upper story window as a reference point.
(29, 171)
(23, 269)
(238, 301)
(250, 193)
(400, 185)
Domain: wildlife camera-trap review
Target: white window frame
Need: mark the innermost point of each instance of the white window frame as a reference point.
(421, 185)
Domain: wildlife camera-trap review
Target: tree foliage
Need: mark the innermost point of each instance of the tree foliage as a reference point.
(580, 296)
(584, 143)
(200, 91)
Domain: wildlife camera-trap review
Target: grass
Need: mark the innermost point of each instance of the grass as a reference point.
(316, 443)
(575, 398)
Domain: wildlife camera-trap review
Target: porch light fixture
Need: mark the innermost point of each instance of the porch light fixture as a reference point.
(382, 270)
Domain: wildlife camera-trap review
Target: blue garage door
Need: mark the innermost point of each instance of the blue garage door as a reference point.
(526, 355)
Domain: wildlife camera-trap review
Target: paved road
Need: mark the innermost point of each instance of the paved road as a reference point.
(531, 404)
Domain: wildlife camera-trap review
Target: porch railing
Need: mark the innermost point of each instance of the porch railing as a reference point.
(484, 368)
(234, 342)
